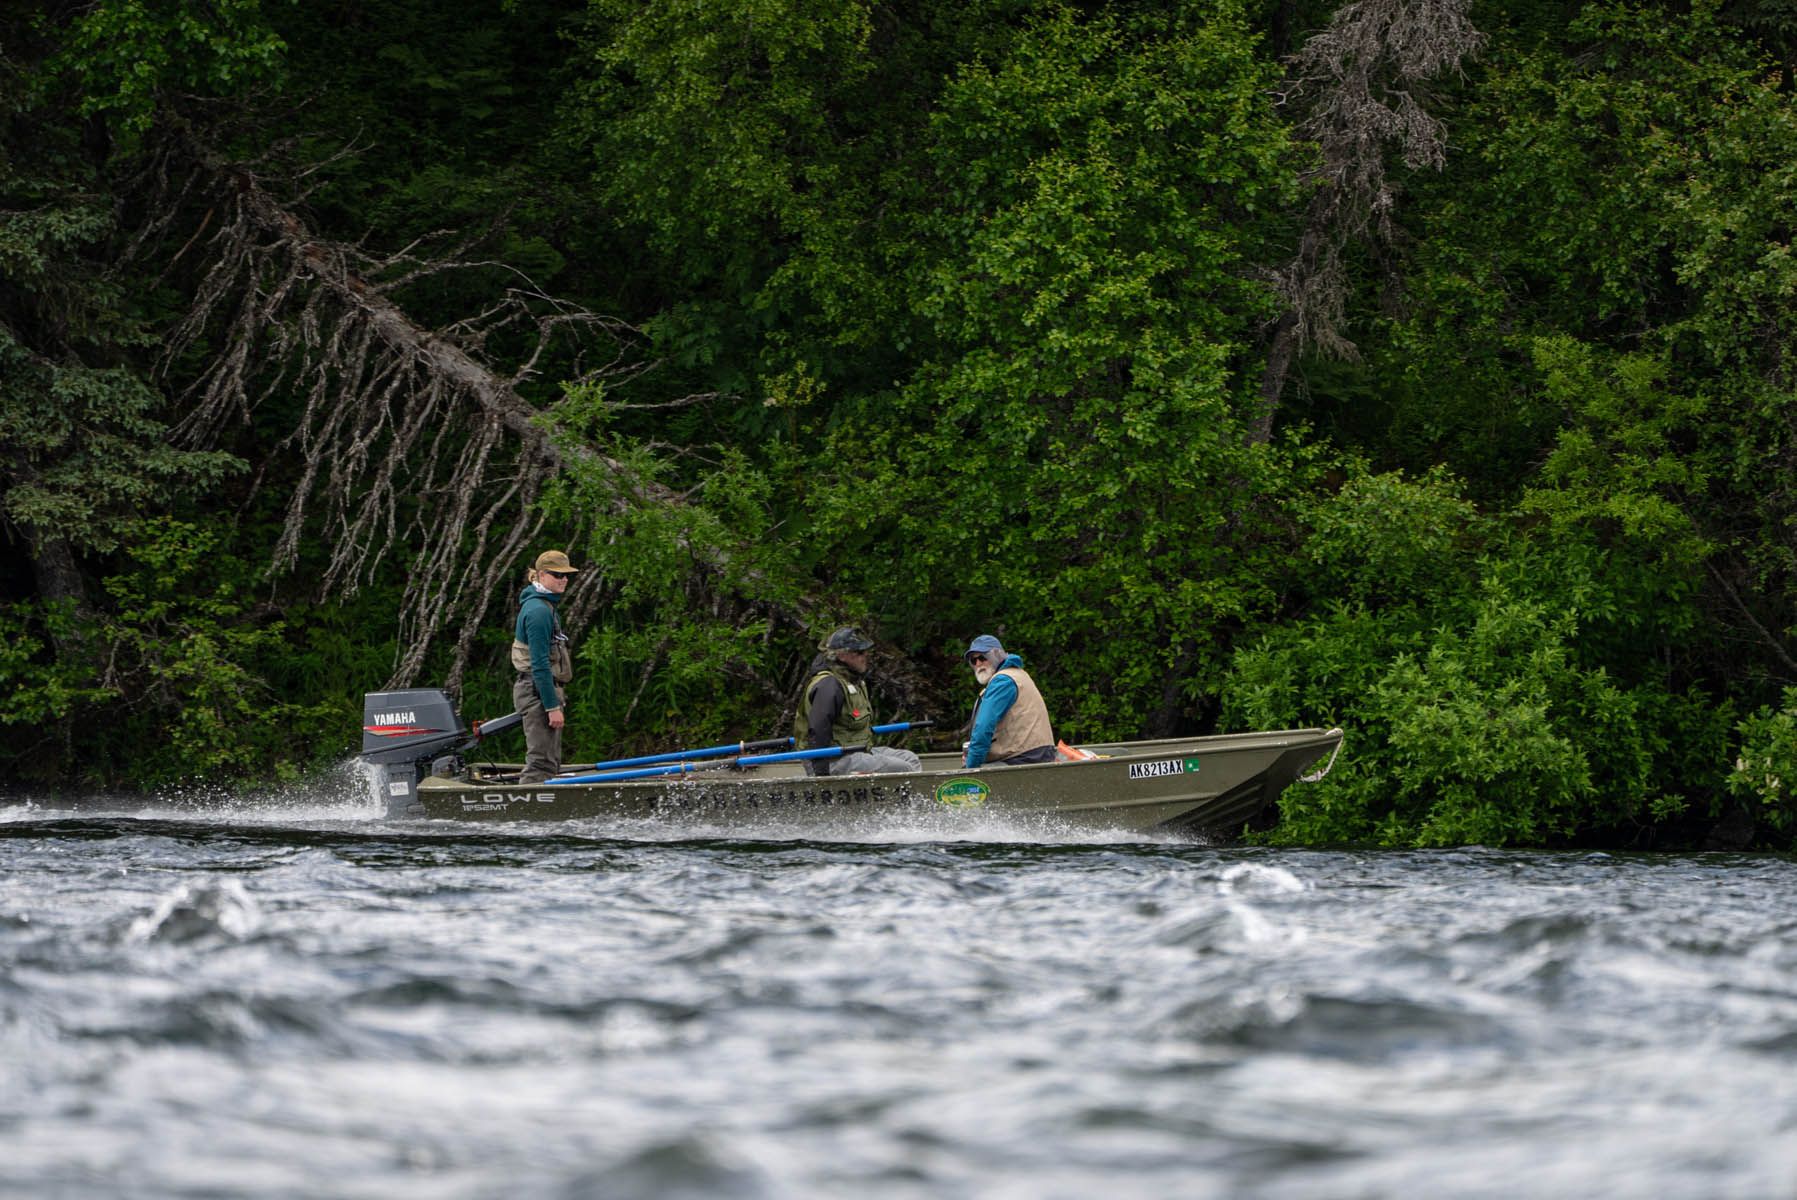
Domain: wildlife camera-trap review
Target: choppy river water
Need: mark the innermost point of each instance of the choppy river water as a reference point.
(297, 999)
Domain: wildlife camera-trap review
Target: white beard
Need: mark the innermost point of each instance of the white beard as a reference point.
(983, 672)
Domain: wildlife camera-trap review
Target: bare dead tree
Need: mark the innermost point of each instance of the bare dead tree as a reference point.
(409, 441)
(1358, 91)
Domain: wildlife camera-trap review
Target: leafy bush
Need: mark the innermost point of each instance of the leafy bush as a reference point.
(1475, 707)
(1765, 773)
(169, 682)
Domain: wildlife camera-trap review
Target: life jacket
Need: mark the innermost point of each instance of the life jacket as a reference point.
(1025, 725)
(854, 722)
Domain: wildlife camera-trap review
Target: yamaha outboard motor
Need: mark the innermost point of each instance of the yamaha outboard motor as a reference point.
(411, 734)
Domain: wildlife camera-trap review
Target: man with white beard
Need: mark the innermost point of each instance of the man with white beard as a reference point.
(1010, 721)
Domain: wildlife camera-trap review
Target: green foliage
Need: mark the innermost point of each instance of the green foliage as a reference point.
(86, 455)
(179, 640)
(39, 691)
(1063, 281)
(651, 667)
(1383, 538)
(1766, 769)
(1594, 333)
(1509, 702)
(1622, 475)
(718, 107)
(82, 448)
(127, 54)
(1484, 728)
(1067, 457)
(168, 686)
(1622, 181)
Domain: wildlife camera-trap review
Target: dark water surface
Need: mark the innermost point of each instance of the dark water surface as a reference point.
(299, 999)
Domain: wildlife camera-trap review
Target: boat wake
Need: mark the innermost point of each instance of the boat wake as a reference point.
(345, 791)
(906, 828)
(348, 794)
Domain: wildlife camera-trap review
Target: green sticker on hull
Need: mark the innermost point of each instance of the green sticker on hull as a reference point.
(962, 793)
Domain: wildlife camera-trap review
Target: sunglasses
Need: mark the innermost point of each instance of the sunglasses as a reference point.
(560, 574)
(975, 658)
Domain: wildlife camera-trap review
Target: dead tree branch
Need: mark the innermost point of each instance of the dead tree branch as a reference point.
(1358, 91)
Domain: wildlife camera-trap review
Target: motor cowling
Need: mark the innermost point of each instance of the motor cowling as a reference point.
(411, 734)
(407, 726)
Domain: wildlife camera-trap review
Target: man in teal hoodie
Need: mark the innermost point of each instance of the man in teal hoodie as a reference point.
(541, 658)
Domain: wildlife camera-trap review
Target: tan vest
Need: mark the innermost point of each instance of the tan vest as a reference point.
(1025, 724)
(561, 663)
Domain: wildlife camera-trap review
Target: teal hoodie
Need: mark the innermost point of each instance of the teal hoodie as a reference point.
(537, 627)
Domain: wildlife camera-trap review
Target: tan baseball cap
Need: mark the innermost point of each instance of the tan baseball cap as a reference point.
(555, 560)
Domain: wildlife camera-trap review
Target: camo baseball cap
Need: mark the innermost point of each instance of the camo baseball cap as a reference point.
(848, 638)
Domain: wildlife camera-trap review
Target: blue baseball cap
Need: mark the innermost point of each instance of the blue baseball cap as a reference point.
(984, 644)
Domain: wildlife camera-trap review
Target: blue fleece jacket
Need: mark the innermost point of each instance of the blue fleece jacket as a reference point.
(990, 709)
(537, 628)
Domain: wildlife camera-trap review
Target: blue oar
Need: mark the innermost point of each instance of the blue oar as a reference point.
(746, 760)
(684, 755)
(731, 748)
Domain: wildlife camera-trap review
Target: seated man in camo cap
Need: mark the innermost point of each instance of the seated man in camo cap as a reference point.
(835, 710)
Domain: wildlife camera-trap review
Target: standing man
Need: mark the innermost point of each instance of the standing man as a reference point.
(541, 658)
(1010, 722)
(835, 710)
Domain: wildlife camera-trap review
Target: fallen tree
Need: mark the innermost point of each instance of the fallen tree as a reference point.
(409, 439)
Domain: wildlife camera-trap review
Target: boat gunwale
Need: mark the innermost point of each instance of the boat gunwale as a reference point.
(723, 775)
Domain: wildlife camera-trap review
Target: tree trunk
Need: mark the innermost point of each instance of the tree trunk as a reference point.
(59, 583)
(1281, 349)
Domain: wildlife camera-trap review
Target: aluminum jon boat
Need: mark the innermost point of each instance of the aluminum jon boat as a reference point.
(424, 763)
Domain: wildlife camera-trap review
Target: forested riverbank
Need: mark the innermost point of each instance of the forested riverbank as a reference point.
(1421, 369)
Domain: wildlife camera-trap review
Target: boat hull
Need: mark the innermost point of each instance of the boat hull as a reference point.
(1206, 786)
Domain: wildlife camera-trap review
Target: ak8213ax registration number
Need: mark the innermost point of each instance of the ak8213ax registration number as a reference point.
(1162, 767)
(1156, 769)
